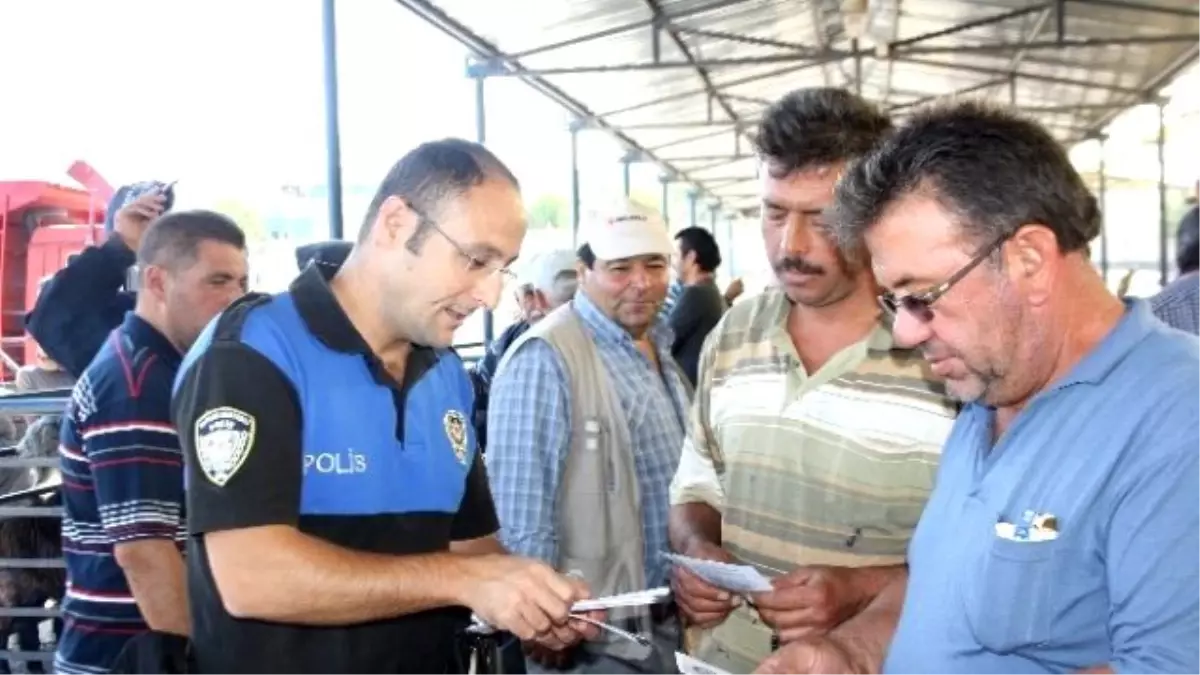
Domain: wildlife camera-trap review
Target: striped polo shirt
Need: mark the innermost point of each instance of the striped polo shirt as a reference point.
(122, 482)
(829, 468)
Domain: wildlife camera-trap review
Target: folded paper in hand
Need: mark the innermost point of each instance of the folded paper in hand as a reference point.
(691, 666)
(732, 578)
(649, 596)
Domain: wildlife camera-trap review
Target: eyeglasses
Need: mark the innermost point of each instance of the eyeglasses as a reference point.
(474, 264)
(920, 305)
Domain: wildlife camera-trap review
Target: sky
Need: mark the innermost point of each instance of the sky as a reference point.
(230, 93)
(226, 96)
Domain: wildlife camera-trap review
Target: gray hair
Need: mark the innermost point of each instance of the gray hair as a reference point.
(990, 168)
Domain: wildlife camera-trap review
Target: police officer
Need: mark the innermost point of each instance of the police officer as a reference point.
(339, 514)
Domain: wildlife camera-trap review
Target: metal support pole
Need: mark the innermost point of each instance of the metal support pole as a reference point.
(727, 254)
(1102, 189)
(712, 218)
(1162, 194)
(1012, 91)
(625, 176)
(333, 145)
(575, 212)
(489, 323)
(664, 201)
(858, 83)
(692, 196)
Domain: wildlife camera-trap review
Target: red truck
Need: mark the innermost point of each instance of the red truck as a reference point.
(42, 225)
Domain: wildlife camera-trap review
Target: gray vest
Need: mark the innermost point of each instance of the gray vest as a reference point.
(599, 516)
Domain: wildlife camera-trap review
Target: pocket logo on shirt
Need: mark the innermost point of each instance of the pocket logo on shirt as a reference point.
(224, 437)
(456, 431)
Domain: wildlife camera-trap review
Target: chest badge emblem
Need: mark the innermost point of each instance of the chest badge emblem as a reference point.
(456, 431)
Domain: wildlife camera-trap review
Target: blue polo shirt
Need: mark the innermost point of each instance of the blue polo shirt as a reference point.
(1110, 452)
(122, 482)
(287, 417)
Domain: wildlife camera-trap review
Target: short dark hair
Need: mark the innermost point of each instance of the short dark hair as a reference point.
(174, 240)
(433, 173)
(1187, 242)
(992, 169)
(703, 244)
(816, 127)
(586, 256)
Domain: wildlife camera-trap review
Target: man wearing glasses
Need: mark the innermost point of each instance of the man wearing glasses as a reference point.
(339, 513)
(1063, 534)
(813, 440)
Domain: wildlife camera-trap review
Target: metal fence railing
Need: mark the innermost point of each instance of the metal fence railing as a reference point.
(22, 570)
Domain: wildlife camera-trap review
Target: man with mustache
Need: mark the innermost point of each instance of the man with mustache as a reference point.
(813, 440)
(1064, 531)
(585, 423)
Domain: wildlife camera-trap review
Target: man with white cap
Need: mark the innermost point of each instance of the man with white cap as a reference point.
(587, 419)
(545, 283)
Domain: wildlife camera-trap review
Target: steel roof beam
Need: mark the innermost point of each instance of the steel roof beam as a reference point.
(750, 40)
(1140, 7)
(977, 23)
(1020, 46)
(714, 94)
(960, 92)
(685, 124)
(496, 66)
(625, 28)
(485, 49)
(724, 85)
(692, 139)
(1032, 77)
(709, 158)
(1150, 90)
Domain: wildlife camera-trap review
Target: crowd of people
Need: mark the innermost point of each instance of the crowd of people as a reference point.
(945, 441)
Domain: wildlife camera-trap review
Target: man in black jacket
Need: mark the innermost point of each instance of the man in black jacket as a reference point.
(83, 302)
(700, 305)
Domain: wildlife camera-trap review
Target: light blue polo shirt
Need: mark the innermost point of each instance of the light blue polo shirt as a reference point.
(1110, 452)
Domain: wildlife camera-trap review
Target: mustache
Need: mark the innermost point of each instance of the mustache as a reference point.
(798, 264)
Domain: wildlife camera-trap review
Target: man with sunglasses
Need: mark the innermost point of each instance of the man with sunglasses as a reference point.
(813, 440)
(339, 513)
(1063, 534)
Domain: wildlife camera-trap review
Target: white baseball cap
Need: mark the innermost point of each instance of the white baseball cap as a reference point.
(542, 271)
(627, 231)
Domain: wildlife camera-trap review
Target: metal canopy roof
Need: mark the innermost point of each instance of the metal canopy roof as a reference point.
(681, 82)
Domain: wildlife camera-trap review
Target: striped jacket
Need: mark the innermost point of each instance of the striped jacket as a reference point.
(829, 468)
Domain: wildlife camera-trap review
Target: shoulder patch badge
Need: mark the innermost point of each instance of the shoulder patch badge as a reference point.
(224, 437)
(456, 431)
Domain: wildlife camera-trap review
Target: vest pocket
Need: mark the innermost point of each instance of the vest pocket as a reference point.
(583, 495)
(1009, 604)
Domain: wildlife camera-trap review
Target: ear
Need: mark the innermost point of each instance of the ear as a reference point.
(394, 223)
(1033, 261)
(540, 299)
(154, 281)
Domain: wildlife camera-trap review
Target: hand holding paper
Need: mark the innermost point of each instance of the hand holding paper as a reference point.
(733, 578)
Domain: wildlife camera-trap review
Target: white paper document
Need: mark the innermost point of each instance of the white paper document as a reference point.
(649, 596)
(733, 578)
(687, 664)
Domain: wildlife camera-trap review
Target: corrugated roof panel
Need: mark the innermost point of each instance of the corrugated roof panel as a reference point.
(754, 51)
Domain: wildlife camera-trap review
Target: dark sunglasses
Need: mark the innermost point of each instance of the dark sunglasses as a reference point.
(920, 305)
